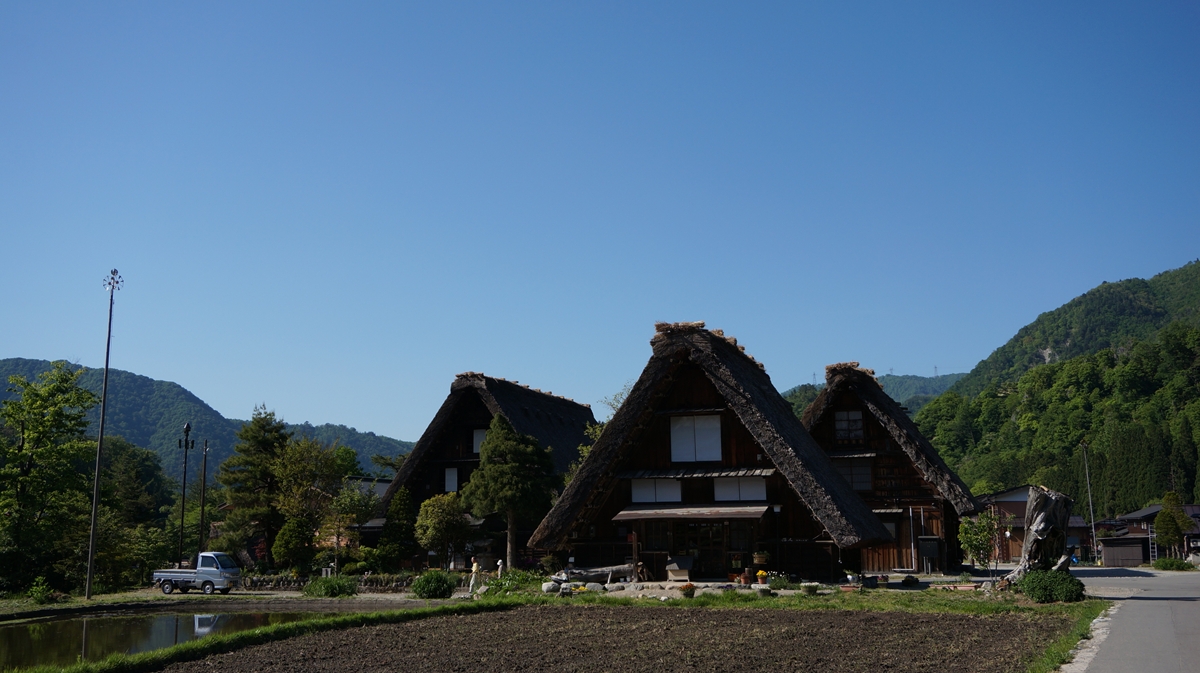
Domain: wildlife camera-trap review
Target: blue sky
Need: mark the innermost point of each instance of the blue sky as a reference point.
(334, 208)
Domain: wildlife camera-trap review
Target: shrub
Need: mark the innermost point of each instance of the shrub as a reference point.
(1047, 586)
(1172, 564)
(354, 568)
(551, 564)
(515, 580)
(40, 592)
(434, 584)
(331, 587)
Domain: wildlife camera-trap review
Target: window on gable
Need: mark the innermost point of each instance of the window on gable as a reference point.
(695, 439)
(848, 425)
(479, 436)
(739, 488)
(857, 472)
(451, 479)
(657, 490)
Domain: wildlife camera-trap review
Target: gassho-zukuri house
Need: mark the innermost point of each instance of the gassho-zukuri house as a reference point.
(890, 465)
(448, 451)
(705, 459)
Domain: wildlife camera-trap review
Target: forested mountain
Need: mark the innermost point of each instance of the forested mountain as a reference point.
(1136, 407)
(151, 414)
(1116, 369)
(1107, 316)
(909, 390)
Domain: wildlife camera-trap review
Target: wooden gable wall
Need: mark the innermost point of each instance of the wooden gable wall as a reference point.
(454, 447)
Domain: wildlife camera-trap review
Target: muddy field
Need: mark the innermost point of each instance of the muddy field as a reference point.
(595, 638)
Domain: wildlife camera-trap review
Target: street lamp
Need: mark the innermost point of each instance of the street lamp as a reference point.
(112, 284)
(185, 445)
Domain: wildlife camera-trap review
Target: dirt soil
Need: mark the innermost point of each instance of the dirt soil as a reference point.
(661, 639)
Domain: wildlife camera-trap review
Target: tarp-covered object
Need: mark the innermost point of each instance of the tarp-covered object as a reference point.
(1047, 514)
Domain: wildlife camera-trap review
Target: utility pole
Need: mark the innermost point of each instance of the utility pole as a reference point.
(187, 430)
(1091, 512)
(203, 488)
(112, 284)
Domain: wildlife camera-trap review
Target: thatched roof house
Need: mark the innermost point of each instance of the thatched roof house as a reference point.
(702, 422)
(448, 450)
(878, 449)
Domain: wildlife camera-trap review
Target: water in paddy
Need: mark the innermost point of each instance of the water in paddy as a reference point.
(67, 641)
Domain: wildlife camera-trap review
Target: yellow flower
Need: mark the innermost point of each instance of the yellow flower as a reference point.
(762, 573)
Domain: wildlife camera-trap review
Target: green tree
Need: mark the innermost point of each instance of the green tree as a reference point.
(352, 507)
(249, 476)
(294, 545)
(44, 484)
(593, 432)
(979, 536)
(397, 540)
(442, 525)
(1183, 458)
(347, 461)
(308, 477)
(1171, 523)
(384, 463)
(515, 478)
(133, 483)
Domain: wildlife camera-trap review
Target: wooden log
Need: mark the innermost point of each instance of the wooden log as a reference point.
(604, 574)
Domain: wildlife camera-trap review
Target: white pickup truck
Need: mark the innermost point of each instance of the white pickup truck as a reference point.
(216, 572)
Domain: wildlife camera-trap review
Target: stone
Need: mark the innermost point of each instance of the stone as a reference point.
(594, 586)
(550, 587)
(615, 586)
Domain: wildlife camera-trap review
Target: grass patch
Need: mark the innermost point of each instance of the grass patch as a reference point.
(1059, 651)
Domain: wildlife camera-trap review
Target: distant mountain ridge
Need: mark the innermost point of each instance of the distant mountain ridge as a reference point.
(909, 390)
(151, 413)
(1107, 316)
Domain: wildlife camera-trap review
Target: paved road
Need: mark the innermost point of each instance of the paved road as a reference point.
(1156, 628)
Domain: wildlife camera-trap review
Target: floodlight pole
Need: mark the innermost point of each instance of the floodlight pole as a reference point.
(187, 430)
(1091, 512)
(112, 284)
(203, 487)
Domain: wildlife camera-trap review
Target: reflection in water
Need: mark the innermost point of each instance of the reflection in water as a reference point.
(64, 642)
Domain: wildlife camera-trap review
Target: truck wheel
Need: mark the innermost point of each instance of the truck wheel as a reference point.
(207, 588)
(225, 590)
(168, 587)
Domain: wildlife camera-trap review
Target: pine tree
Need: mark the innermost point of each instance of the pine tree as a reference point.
(515, 478)
(252, 485)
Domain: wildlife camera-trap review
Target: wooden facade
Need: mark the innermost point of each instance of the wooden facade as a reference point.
(706, 463)
(720, 535)
(878, 451)
(447, 454)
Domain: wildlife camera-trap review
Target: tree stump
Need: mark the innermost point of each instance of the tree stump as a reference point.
(1046, 515)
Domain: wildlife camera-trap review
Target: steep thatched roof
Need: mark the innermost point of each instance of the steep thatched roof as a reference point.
(556, 422)
(848, 377)
(758, 405)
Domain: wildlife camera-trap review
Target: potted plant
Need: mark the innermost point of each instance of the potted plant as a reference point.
(688, 590)
(762, 576)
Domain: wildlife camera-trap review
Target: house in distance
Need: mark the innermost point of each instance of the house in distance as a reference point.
(448, 451)
(706, 463)
(880, 453)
